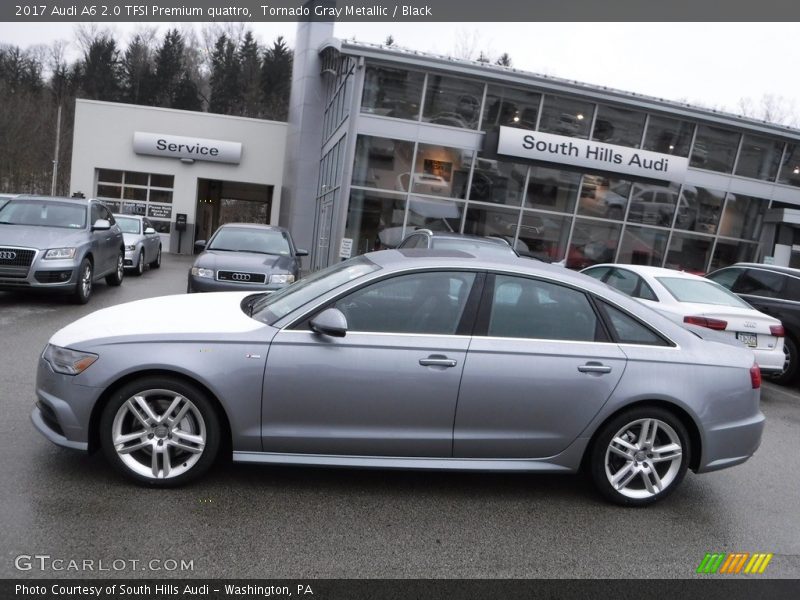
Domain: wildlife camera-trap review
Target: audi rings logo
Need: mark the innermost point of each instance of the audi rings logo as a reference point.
(5, 255)
(241, 276)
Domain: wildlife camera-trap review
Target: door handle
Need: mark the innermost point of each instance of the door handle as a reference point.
(437, 361)
(594, 368)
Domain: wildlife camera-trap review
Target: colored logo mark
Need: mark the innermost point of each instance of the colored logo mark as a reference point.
(734, 563)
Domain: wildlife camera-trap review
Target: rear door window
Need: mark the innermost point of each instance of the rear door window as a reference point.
(761, 283)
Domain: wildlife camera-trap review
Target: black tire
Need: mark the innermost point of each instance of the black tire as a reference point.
(118, 275)
(644, 464)
(140, 265)
(789, 373)
(146, 453)
(157, 262)
(83, 287)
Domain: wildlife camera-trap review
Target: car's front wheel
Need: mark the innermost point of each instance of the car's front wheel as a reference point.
(160, 431)
(640, 456)
(115, 278)
(83, 287)
(140, 264)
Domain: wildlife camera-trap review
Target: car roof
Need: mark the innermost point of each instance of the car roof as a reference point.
(765, 267)
(259, 226)
(650, 271)
(459, 236)
(79, 201)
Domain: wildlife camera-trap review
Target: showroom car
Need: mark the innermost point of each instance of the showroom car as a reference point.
(775, 291)
(142, 242)
(411, 359)
(59, 245)
(246, 256)
(446, 240)
(694, 300)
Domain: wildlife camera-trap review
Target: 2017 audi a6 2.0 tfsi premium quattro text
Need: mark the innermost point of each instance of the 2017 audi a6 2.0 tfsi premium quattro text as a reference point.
(418, 359)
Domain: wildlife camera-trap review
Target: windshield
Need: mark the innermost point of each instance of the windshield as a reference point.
(275, 306)
(129, 225)
(701, 291)
(250, 239)
(44, 213)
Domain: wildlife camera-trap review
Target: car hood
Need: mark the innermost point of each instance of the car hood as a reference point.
(131, 239)
(32, 236)
(184, 314)
(245, 261)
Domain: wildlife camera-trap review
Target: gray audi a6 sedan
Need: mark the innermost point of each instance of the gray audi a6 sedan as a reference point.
(58, 244)
(246, 256)
(417, 359)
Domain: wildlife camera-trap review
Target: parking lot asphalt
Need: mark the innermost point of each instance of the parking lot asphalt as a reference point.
(287, 522)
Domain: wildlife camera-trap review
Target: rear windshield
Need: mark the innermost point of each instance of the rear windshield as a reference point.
(128, 225)
(700, 291)
(43, 213)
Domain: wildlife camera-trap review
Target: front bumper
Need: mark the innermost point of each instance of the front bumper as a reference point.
(131, 259)
(41, 275)
(206, 284)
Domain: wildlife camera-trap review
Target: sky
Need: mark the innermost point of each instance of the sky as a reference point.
(715, 65)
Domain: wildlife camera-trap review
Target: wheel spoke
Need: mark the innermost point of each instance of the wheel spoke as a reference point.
(651, 435)
(175, 403)
(182, 413)
(145, 407)
(647, 483)
(154, 463)
(138, 413)
(128, 437)
(623, 476)
(651, 473)
(626, 454)
(186, 447)
(625, 444)
(189, 437)
(167, 464)
(644, 432)
(134, 447)
(665, 453)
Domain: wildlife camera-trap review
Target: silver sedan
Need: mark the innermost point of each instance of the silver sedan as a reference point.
(142, 242)
(414, 359)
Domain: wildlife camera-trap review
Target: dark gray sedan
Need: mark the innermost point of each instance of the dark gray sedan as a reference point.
(245, 256)
(405, 359)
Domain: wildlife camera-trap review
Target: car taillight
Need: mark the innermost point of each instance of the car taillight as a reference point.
(777, 330)
(755, 376)
(717, 324)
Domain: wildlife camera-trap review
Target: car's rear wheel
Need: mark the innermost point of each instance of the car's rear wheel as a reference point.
(640, 456)
(160, 431)
(83, 287)
(790, 363)
(115, 278)
(140, 263)
(157, 262)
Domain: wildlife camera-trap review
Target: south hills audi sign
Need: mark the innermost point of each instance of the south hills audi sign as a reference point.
(174, 146)
(576, 152)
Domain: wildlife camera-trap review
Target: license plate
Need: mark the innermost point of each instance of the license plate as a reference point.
(748, 339)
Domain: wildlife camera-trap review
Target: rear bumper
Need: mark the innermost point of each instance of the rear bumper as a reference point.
(729, 444)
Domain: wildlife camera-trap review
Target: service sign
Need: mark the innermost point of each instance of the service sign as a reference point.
(561, 149)
(174, 146)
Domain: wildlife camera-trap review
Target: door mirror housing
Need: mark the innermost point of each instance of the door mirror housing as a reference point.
(101, 225)
(200, 244)
(301, 252)
(149, 231)
(330, 321)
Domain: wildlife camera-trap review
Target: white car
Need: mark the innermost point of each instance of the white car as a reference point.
(693, 300)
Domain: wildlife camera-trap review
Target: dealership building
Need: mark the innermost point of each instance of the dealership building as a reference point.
(381, 141)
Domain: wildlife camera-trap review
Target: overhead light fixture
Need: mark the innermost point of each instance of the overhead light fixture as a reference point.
(671, 147)
(580, 116)
(516, 119)
(796, 171)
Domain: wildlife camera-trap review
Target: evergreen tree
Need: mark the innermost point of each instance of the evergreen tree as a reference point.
(226, 91)
(276, 80)
(250, 65)
(187, 96)
(100, 75)
(137, 73)
(389, 41)
(504, 60)
(169, 69)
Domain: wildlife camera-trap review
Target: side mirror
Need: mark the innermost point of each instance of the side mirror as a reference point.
(200, 244)
(101, 225)
(149, 231)
(330, 321)
(300, 252)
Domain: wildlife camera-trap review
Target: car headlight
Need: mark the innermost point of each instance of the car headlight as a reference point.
(59, 253)
(282, 278)
(66, 361)
(130, 248)
(201, 272)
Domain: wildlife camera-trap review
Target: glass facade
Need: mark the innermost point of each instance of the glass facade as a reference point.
(135, 193)
(568, 215)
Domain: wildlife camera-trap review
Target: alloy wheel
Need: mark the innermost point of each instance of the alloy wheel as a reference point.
(159, 434)
(643, 458)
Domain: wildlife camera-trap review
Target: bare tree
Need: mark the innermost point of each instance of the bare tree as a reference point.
(771, 108)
